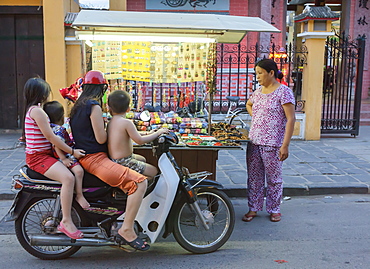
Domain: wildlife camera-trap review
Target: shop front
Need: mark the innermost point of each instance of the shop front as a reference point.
(167, 62)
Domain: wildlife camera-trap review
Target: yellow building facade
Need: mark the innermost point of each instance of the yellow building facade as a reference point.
(63, 54)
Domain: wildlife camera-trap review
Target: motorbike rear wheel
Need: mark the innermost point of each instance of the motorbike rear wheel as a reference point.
(218, 211)
(32, 221)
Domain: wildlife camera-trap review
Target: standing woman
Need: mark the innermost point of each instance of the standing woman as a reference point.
(88, 131)
(272, 109)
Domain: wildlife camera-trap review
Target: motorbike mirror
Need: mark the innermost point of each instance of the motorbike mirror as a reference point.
(145, 115)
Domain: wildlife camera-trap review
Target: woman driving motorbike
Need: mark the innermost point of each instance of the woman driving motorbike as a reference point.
(88, 130)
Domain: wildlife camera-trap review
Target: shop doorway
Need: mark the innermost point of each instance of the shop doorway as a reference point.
(22, 57)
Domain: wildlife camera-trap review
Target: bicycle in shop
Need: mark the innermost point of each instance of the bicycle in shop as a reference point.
(237, 114)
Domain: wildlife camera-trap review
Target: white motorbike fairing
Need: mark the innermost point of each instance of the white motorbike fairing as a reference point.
(156, 206)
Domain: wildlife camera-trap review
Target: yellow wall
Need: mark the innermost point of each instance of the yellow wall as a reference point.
(118, 5)
(54, 46)
(21, 3)
(74, 66)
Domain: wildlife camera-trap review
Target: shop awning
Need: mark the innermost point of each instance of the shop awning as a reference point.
(223, 28)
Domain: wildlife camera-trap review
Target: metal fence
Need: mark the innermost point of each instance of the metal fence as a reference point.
(235, 70)
(342, 85)
(235, 77)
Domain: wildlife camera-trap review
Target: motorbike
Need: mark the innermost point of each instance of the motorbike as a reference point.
(188, 205)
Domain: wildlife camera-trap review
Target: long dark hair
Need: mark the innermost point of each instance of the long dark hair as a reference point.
(36, 91)
(89, 92)
(268, 65)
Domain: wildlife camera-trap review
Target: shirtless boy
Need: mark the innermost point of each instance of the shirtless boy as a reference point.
(121, 133)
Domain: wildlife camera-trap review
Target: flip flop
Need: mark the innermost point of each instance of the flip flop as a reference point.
(248, 218)
(275, 217)
(76, 235)
(137, 243)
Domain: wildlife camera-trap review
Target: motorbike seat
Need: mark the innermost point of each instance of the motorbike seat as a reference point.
(88, 181)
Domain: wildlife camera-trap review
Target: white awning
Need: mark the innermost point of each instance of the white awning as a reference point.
(223, 28)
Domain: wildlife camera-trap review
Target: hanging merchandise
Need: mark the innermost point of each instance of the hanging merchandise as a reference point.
(181, 100)
(164, 98)
(211, 78)
(150, 62)
(154, 97)
(136, 60)
(187, 97)
(98, 56)
(106, 56)
(130, 90)
(113, 60)
(175, 100)
(140, 99)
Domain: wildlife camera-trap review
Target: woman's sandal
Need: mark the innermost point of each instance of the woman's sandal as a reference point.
(138, 243)
(275, 217)
(249, 217)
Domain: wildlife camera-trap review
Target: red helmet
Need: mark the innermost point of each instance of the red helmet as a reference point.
(94, 77)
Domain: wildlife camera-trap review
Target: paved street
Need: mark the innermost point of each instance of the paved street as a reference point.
(317, 232)
(336, 164)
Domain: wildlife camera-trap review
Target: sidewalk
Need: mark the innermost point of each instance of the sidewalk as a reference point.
(336, 164)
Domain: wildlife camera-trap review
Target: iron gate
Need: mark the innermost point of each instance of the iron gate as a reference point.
(235, 70)
(342, 86)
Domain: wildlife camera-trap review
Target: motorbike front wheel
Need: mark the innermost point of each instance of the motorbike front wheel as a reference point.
(218, 212)
(32, 221)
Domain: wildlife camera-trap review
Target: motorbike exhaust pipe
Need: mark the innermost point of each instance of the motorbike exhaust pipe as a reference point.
(52, 240)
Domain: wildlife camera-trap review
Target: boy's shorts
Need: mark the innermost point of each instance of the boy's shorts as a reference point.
(131, 163)
(41, 161)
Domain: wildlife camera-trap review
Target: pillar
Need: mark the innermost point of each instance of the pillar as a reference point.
(312, 73)
(54, 47)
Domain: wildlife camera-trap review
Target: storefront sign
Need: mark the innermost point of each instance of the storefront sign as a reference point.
(188, 4)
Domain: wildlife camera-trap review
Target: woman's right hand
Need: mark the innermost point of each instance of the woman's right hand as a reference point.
(78, 153)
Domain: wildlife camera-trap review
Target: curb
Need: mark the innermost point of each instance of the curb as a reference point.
(243, 192)
(7, 196)
(303, 191)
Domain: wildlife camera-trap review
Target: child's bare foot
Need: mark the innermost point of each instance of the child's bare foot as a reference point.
(82, 201)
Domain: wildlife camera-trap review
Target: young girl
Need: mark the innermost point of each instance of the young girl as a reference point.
(89, 133)
(39, 156)
(55, 112)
